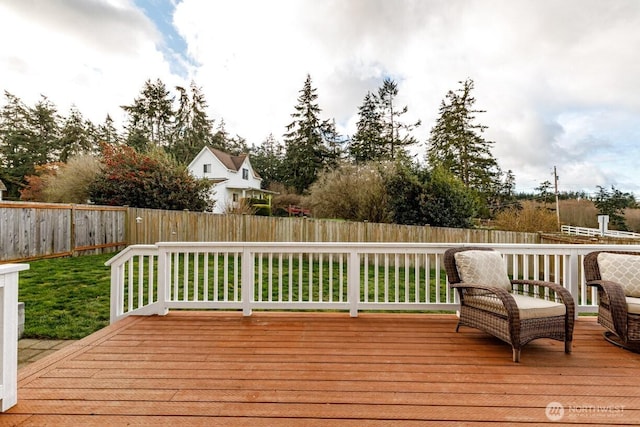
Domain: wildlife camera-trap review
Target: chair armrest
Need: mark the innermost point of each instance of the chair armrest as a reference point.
(505, 296)
(613, 290)
(565, 295)
(617, 303)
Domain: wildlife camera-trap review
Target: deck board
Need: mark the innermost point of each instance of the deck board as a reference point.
(322, 369)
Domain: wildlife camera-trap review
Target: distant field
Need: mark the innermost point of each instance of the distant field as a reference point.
(583, 213)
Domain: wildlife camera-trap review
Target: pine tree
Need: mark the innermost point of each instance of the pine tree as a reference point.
(395, 134)
(15, 160)
(150, 117)
(192, 127)
(367, 143)
(267, 159)
(106, 133)
(334, 143)
(305, 151)
(44, 127)
(75, 136)
(457, 145)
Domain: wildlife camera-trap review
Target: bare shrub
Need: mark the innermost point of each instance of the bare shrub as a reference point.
(283, 198)
(70, 183)
(533, 217)
(351, 192)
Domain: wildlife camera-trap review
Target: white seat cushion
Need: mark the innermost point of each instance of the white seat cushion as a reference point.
(482, 268)
(623, 269)
(633, 305)
(528, 307)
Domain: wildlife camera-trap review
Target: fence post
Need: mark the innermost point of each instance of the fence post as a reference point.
(9, 333)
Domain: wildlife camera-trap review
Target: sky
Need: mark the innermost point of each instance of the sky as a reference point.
(558, 81)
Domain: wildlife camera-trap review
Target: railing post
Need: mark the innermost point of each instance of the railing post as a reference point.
(247, 282)
(9, 331)
(163, 279)
(353, 282)
(572, 276)
(117, 284)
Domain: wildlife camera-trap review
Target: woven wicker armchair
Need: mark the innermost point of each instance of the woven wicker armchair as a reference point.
(616, 274)
(515, 311)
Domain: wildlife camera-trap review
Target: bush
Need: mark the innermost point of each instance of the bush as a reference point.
(352, 192)
(151, 180)
(533, 217)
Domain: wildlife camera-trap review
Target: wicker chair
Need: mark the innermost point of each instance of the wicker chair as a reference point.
(616, 275)
(515, 311)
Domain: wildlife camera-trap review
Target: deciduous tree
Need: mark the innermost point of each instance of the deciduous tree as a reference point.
(147, 180)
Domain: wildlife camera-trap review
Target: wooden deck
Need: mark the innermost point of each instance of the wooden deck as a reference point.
(323, 369)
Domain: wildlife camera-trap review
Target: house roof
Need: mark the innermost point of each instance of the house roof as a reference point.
(230, 162)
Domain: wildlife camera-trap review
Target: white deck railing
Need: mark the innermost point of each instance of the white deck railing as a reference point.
(152, 279)
(9, 331)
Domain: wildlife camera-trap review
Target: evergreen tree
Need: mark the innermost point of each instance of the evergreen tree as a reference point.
(267, 159)
(220, 139)
(333, 142)
(15, 156)
(106, 133)
(192, 127)
(395, 134)
(75, 136)
(29, 137)
(457, 145)
(305, 151)
(367, 143)
(150, 117)
(44, 127)
(614, 203)
(236, 146)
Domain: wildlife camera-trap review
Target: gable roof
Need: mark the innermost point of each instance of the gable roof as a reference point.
(233, 163)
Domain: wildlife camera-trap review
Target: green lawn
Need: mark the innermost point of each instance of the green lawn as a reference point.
(68, 298)
(65, 298)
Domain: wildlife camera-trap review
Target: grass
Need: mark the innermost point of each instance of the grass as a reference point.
(69, 298)
(65, 298)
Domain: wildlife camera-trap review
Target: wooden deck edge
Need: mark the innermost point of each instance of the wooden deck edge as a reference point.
(35, 369)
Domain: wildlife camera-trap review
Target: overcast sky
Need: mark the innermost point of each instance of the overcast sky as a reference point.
(559, 80)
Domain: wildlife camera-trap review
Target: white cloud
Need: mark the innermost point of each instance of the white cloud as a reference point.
(558, 80)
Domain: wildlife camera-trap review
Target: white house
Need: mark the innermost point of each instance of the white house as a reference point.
(2, 188)
(233, 176)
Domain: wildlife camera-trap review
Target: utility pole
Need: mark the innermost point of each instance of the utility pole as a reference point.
(555, 180)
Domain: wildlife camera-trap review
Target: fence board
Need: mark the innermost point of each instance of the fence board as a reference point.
(39, 230)
(42, 230)
(154, 226)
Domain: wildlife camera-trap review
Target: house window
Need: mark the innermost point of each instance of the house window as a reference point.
(207, 168)
(245, 173)
(235, 197)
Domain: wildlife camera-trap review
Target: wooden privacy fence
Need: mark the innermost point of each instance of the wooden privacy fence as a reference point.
(149, 226)
(31, 231)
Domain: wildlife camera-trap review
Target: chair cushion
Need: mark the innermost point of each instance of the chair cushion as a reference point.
(633, 305)
(623, 269)
(528, 307)
(482, 268)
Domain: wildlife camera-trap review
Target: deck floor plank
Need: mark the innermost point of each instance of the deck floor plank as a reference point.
(323, 369)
